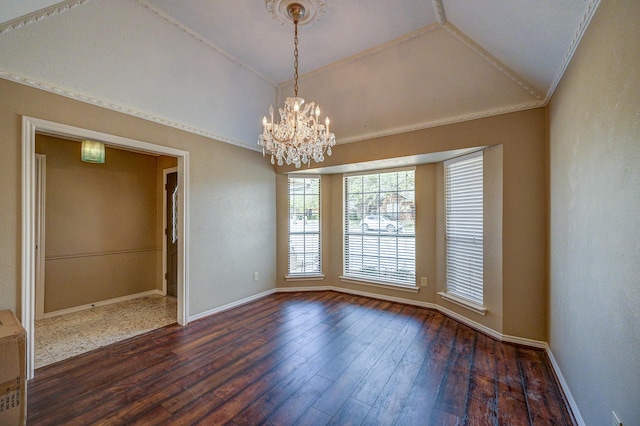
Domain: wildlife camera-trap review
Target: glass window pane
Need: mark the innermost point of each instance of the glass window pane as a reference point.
(380, 227)
(304, 227)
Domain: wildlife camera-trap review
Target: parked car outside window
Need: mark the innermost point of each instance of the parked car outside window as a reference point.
(380, 223)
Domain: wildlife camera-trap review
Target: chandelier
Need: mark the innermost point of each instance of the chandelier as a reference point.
(299, 137)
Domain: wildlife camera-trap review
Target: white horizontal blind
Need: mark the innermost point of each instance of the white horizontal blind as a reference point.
(464, 227)
(304, 226)
(379, 227)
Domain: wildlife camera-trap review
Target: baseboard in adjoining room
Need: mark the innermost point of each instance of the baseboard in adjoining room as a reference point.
(102, 303)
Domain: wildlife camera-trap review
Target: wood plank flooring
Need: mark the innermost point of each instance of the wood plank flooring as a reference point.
(304, 359)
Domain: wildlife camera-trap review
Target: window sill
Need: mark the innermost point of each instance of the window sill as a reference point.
(317, 277)
(478, 309)
(350, 280)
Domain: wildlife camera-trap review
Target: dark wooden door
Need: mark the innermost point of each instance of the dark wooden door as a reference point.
(171, 234)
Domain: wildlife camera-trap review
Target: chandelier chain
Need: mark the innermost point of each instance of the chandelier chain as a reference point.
(295, 58)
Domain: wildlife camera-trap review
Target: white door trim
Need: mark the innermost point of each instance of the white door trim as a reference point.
(32, 125)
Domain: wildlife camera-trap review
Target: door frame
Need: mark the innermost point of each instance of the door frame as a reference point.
(31, 126)
(165, 226)
(40, 231)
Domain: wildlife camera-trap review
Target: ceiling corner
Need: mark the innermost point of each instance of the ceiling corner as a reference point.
(582, 26)
(438, 9)
(492, 60)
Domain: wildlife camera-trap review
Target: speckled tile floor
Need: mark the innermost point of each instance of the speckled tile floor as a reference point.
(64, 336)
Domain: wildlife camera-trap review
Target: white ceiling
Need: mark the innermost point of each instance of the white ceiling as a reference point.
(247, 31)
(213, 67)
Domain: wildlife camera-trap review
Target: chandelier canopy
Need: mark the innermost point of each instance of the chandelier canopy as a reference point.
(299, 136)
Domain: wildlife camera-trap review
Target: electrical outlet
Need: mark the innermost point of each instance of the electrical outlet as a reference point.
(423, 281)
(255, 276)
(615, 420)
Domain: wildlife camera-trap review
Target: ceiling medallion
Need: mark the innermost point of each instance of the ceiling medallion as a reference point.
(314, 11)
(298, 137)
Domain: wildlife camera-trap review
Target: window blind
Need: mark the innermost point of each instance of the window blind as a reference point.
(379, 227)
(464, 227)
(304, 226)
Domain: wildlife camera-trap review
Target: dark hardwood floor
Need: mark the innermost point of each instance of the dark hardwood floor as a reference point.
(305, 359)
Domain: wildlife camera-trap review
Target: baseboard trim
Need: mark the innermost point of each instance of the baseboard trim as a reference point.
(357, 293)
(232, 305)
(565, 388)
(466, 321)
(477, 326)
(538, 344)
(102, 303)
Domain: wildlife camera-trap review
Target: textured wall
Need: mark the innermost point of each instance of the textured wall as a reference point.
(516, 294)
(232, 206)
(100, 225)
(594, 290)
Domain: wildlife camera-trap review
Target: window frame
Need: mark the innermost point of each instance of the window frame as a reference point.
(304, 274)
(464, 291)
(347, 275)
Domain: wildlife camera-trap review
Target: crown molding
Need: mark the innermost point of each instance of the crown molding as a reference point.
(438, 8)
(582, 26)
(70, 4)
(202, 39)
(122, 109)
(40, 15)
(445, 121)
(495, 62)
(164, 121)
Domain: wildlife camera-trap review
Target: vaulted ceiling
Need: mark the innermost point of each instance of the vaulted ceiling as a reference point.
(376, 67)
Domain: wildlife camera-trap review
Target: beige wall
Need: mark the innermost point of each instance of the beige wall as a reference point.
(101, 225)
(231, 205)
(594, 291)
(516, 293)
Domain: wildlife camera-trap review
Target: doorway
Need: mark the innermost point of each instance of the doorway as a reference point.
(171, 231)
(31, 126)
